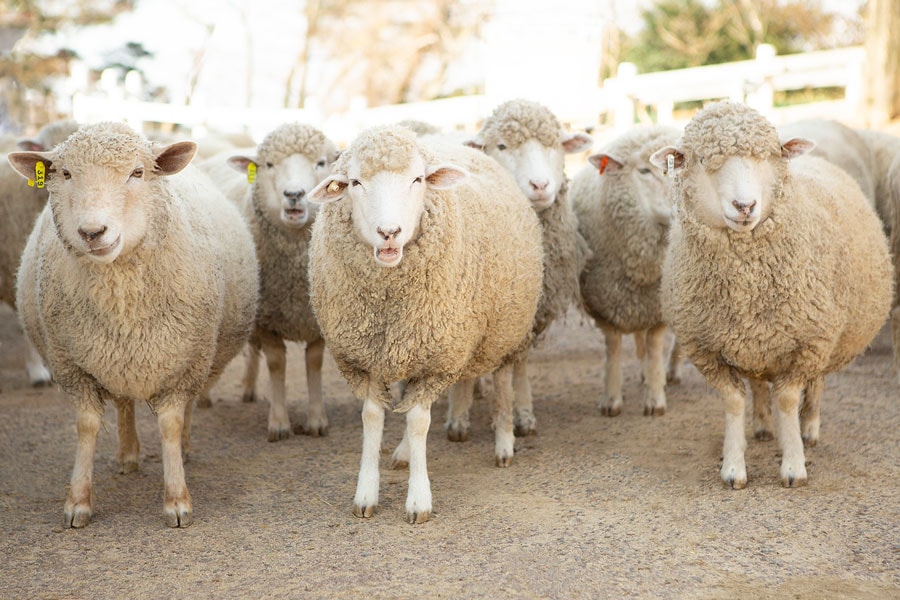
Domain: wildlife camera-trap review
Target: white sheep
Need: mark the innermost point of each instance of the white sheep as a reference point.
(288, 163)
(775, 271)
(884, 148)
(623, 204)
(527, 140)
(425, 267)
(20, 205)
(136, 284)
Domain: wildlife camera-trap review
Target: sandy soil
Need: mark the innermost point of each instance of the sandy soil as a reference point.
(593, 507)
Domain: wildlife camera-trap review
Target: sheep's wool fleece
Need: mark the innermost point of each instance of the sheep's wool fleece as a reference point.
(19, 207)
(284, 307)
(159, 321)
(620, 282)
(798, 296)
(517, 121)
(462, 300)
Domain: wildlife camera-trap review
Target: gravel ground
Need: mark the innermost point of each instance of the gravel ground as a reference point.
(592, 507)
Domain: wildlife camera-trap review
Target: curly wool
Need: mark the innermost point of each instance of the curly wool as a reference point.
(293, 138)
(725, 129)
(107, 144)
(620, 282)
(460, 303)
(517, 121)
(383, 148)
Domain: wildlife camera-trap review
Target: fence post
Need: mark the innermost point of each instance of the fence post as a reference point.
(760, 92)
(621, 102)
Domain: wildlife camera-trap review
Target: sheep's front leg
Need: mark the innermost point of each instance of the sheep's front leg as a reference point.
(366, 498)
(809, 411)
(793, 459)
(177, 506)
(129, 445)
(276, 358)
(504, 438)
(734, 469)
(459, 400)
(523, 403)
(654, 373)
(251, 371)
(611, 400)
(762, 410)
(418, 498)
(79, 500)
(314, 420)
(676, 360)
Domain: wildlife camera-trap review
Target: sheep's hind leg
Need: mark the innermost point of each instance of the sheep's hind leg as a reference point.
(676, 361)
(79, 499)
(504, 438)
(129, 445)
(366, 498)
(418, 499)
(793, 459)
(809, 411)
(459, 400)
(251, 371)
(762, 410)
(524, 421)
(276, 358)
(611, 399)
(38, 374)
(314, 421)
(177, 505)
(654, 373)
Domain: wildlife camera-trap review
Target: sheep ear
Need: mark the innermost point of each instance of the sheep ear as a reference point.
(25, 162)
(668, 158)
(240, 163)
(30, 145)
(606, 164)
(576, 142)
(330, 189)
(476, 142)
(173, 158)
(796, 147)
(442, 177)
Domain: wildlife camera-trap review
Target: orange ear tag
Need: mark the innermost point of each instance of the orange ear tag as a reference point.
(603, 162)
(251, 172)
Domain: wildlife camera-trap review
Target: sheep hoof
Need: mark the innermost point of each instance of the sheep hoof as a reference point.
(810, 441)
(399, 463)
(249, 397)
(179, 516)
(610, 411)
(128, 466)
(673, 379)
(458, 434)
(417, 517)
(521, 430)
(77, 516)
(654, 411)
(317, 430)
(204, 402)
(276, 435)
(734, 478)
(793, 478)
(41, 383)
(504, 460)
(364, 512)
(763, 435)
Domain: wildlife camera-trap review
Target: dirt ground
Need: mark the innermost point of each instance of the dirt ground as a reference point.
(592, 507)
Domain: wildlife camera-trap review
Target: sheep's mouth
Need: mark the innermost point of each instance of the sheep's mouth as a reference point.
(104, 250)
(740, 225)
(541, 202)
(294, 216)
(388, 256)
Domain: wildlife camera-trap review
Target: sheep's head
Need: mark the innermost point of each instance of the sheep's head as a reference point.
(102, 181)
(290, 161)
(385, 175)
(529, 142)
(730, 165)
(625, 166)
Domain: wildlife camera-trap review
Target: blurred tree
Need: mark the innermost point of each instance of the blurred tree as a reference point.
(25, 77)
(689, 33)
(882, 72)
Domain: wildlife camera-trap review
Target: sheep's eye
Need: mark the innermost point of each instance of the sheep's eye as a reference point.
(66, 174)
(269, 164)
(501, 147)
(321, 163)
(138, 173)
(643, 170)
(418, 179)
(354, 182)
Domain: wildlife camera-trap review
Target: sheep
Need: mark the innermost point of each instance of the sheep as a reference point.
(759, 280)
(135, 284)
(623, 206)
(428, 271)
(884, 148)
(20, 205)
(288, 163)
(529, 142)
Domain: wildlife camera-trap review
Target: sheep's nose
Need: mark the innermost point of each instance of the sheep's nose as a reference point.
(89, 234)
(745, 208)
(538, 185)
(388, 232)
(294, 196)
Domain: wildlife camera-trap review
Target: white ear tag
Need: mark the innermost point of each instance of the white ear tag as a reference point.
(670, 165)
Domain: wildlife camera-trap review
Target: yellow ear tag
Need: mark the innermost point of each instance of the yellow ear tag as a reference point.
(333, 187)
(251, 172)
(39, 172)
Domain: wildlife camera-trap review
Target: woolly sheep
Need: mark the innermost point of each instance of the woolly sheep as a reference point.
(19, 207)
(529, 142)
(136, 284)
(288, 163)
(623, 206)
(428, 271)
(884, 148)
(838, 144)
(759, 280)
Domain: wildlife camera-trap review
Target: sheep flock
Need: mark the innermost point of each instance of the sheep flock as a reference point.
(427, 261)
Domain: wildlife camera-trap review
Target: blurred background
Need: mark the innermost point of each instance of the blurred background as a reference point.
(245, 66)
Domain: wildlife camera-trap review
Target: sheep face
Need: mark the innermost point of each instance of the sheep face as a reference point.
(101, 200)
(650, 188)
(387, 206)
(285, 184)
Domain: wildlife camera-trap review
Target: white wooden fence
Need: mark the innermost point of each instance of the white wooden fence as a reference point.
(752, 81)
